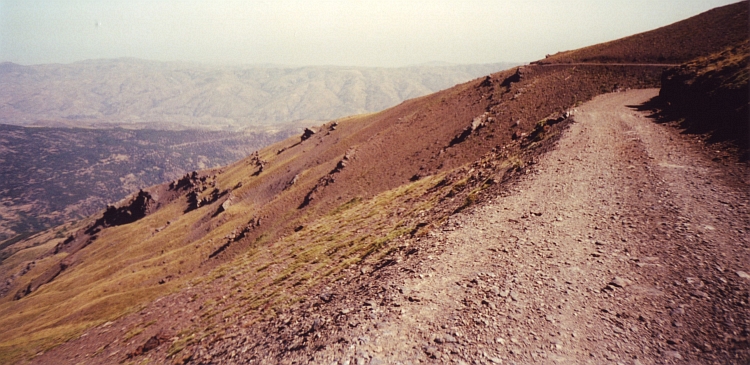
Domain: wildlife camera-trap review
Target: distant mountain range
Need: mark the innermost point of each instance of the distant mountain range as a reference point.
(286, 254)
(169, 95)
(62, 172)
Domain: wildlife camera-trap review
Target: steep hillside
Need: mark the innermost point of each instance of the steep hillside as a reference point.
(710, 95)
(169, 95)
(300, 211)
(263, 241)
(676, 43)
(51, 175)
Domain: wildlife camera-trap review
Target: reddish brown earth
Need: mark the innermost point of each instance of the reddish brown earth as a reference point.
(675, 43)
(502, 266)
(626, 244)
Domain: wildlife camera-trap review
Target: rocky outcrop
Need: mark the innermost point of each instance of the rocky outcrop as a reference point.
(195, 201)
(292, 182)
(516, 77)
(476, 124)
(49, 275)
(138, 207)
(328, 178)
(236, 236)
(128, 211)
(307, 134)
(258, 162)
(193, 185)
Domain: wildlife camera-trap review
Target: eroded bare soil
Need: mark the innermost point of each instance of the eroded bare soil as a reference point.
(626, 245)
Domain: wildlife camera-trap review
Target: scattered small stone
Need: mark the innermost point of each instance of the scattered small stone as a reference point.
(673, 354)
(430, 350)
(326, 297)
(445, 339)
(699, 294)
(743, 275)
(620, 282)
(514, 295)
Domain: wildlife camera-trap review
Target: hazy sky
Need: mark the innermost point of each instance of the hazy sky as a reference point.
(323, 32)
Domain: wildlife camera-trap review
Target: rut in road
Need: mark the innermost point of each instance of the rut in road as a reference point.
(625, 245)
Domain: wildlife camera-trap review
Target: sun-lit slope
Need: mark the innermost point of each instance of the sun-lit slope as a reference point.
(680, 42)
(115, 268)
(300, 211)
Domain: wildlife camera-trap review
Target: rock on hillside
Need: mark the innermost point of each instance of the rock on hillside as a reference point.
(53, 175)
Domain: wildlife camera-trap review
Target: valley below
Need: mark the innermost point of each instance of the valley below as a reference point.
(624, 244)
(77, 137)
(592, 207)
(50, 176)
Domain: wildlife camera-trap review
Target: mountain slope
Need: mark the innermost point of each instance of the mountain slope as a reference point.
(264, 241)
(710, 95)
(53, 175)
(169, 95)
(680, 42)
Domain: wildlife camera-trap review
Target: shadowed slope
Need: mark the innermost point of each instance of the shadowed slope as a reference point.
(711, 95)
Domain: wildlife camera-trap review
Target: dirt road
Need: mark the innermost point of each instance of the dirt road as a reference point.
(626, 245)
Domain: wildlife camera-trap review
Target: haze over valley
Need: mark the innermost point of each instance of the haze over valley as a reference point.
(164, 95)
(588, 206)
(150, 122)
